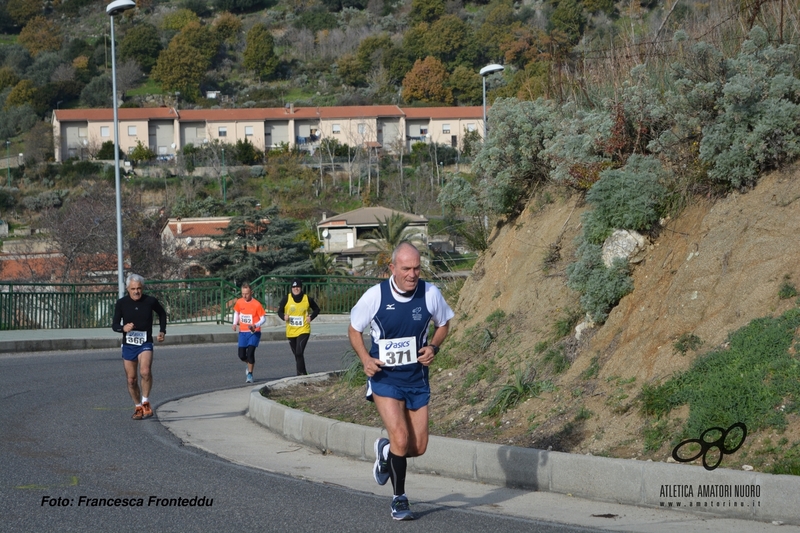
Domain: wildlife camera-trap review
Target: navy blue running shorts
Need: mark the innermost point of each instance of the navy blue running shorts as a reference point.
(131, 352)
(414, 397)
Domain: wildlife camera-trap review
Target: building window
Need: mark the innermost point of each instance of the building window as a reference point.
(423, 131)
(104, 131)
(471, 126)
(248, 131)
(445, 128)
(336, 129)
(132, 131)
(83, 132)
(362, 129)
(222, 131)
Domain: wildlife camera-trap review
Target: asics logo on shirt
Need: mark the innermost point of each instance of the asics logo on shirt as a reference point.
(397, 345)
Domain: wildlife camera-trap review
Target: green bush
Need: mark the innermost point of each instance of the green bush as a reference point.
(601, 288)
(107, 151)
(627, 198)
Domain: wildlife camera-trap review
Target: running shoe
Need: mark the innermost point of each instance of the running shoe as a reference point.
(147, 410)
(138, 413)
(380, 471)
(401, 509)
(249, 377)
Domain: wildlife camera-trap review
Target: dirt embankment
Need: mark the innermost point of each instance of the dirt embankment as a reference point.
(710, 271)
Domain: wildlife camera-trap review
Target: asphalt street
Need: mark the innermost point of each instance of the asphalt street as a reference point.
(71, 457)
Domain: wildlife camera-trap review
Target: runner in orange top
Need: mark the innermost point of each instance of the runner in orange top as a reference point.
(248, 315)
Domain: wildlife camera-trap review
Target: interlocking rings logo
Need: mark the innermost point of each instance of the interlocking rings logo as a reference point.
(723, 444)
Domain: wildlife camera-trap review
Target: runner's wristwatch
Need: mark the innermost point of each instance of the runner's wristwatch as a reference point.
(435, 349)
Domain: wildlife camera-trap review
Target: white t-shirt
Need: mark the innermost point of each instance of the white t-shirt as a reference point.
(364, 311)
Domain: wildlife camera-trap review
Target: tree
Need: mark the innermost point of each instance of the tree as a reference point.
(40, 35)
(496, 26)
(200, 7)
(568, 18)
(426, 82)
(106, 152)
(466, 86)
(227, 27)
(143, 235)
(23, 93)
(258, 242)
(246, 154)
(451, 41)
(142, 153)
(177, 20)
(97, 92)
(426, 10)
(371, 50)
(142, 44)
(8, 78)
(201, 37)
(349, 70)
(238, 6)
(259, 52)
(326, 265)
(129, 75)
(39, 143)
(392, 231)
(181, 67)
(83, 232)
(21, 11)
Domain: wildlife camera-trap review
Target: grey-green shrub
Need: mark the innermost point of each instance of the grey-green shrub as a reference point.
(759, 120)
(626, 198)
(601, 287)
(509, 162)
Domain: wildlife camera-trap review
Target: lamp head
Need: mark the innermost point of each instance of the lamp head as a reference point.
(489, 69)
(118, 6)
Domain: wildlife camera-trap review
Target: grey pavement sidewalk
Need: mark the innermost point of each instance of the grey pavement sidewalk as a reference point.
(218, 424)
(37, 340)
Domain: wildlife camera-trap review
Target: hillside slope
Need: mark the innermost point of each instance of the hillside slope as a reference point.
(714, 268)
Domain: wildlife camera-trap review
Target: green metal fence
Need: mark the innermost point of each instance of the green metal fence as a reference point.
(86, 305)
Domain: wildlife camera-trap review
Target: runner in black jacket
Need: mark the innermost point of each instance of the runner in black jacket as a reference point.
(133, 317)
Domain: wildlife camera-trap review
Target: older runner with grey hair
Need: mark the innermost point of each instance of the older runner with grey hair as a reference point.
(133, 317)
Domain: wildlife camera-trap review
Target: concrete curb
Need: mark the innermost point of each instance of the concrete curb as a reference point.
(40, 340)
(98, 343)
(722, 492)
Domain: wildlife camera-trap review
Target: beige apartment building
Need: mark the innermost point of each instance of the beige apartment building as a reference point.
(79, 133)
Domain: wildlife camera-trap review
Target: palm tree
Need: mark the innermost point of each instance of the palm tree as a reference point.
(326, 264)
(385, 238)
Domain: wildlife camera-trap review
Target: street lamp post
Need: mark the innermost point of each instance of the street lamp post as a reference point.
(485, 71)
(113, 9)
(8, 161)
(224, 179)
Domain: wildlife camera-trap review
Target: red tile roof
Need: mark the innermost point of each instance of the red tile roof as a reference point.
(444, 112)
(270, 113)
(132, 113)
(198, 227)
